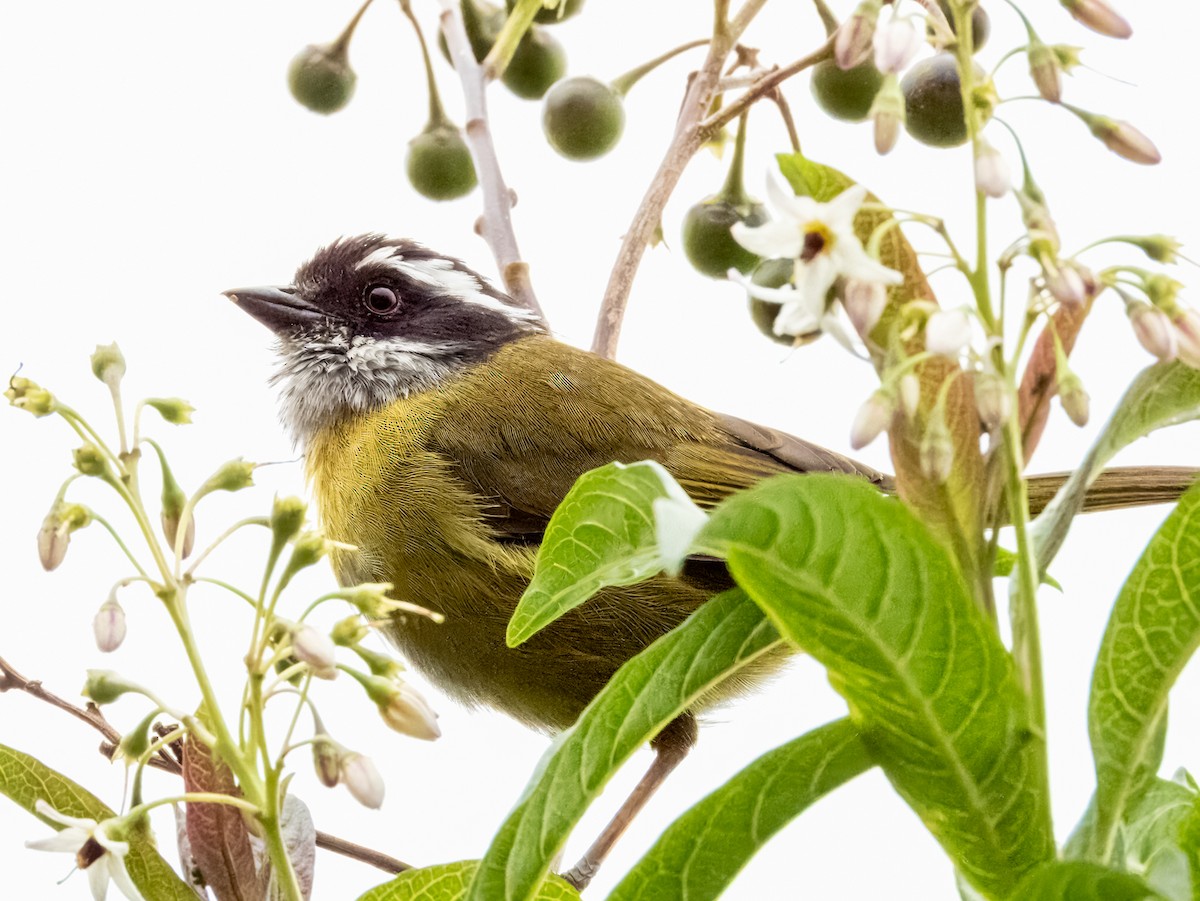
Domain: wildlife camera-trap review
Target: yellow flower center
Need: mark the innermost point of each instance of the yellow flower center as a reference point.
(817, 237)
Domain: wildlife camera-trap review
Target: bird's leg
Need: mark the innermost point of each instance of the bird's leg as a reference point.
(670, 747)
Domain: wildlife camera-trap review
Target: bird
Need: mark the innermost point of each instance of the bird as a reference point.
(441, 425)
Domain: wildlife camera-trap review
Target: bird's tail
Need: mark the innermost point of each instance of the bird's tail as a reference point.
(1117, 488)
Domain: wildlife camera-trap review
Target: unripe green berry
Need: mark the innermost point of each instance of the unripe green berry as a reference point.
(583, 118)
(707, 242)
(439, 164)
(320, 77)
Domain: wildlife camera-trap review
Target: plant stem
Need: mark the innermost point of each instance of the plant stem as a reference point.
(511, 34)
(283, 874)
(437, 114)
(734, 189)
(622, 83)
(342, 41)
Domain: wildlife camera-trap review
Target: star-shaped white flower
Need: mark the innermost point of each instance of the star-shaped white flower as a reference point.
(820, 238)
(101, 857)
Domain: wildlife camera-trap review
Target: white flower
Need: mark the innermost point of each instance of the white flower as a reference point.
(820, 238)
(363, 780)
(947, 332)
(101, 857)
(897, 42)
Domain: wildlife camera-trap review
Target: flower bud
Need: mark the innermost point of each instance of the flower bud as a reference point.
(348, 632)
(992, 175)
(1160, 248)
(109, 625)
(1153, 330)
(316, 650)
(1187, 335)
(947, 332)
(104, 686)
(896, 42)
(910, 394)
(136, 742)
(26, 394)
(379, 664)
(363, 780)
(993, 400)
(1098, 16)
(936, 451)
(872, 418)
(1045, 71)
(307, 549)
(1064, 282)
(864, 302)
(55, 533)
(852, 43)
(402, 708)
(327, 760)
(287, 517)
(90, 461)
(1074, 399)
(887, 114)
(1163, 291)
(232, 476)
(108, 364)
(174, 410)
(1068, 56)
(1123, 139)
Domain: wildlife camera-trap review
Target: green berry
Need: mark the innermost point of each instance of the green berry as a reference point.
(933, 101)
(539, 61)
(981, 23)
(439, 164)
(707, 242)
(321, 79)
(771, 274)
(583, 118)
(846, 94)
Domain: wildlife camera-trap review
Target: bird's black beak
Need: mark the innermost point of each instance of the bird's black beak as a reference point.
(280, 309)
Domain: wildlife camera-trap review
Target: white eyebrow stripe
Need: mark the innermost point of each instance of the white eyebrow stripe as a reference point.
(442, 274)
(384, 255)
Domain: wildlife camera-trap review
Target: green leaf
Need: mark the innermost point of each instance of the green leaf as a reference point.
(449, 881)
(1006, 561)
(856, 580)
(1158, 839)
(602, 534)
(1154, 629)
(725, 635)
(26, 779)
(1077, 880)
(703, 850)
(1162, 395)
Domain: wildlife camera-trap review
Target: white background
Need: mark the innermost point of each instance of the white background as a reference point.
(151, 157)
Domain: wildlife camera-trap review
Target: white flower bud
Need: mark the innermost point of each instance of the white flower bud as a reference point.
(992, 175)
(1153, 330)
(852, 44)
(403, 708)
(1187, 329)
(937, 448)
(947, 332)
(896, 42)
(1074, 399)
(993, 400)
(873, 417)
(1065, 283)
(109, 626)
(910, 394)
(1098, 16)
(887, 115)
(55, 534)
(363, 780)
(316, 650)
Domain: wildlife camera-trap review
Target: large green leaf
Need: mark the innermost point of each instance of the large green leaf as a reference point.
(703, 850)
(449, 882)
(603, 533)
(856, 580)
(1153, 630)
(1077, 880)
(723, 636)
(1162, 395)
(1159, 839)
(26, 779)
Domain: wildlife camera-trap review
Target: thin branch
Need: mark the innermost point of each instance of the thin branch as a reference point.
(684, 144)
(496, 223)
(11, 679)
(785, 113)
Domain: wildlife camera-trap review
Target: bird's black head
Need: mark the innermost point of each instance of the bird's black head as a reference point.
(370, 319)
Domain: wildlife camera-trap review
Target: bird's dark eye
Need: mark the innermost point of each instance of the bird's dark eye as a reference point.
(380, 299)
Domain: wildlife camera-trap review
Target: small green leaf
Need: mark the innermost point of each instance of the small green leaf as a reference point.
(1162, 395)
(1006, 560)
(1077, 880)
(725, 635)
(1158, 839)
(1153, 631)
(449, 881)
(603, 533)
(26, 779)
(856, 580)
(703, 850)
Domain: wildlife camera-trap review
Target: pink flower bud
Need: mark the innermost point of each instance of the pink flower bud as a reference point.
(873, 417)
(1187, 334)
(109, 626)
(316, 650)
(852, 44)
(1098, 16)
(1065, 283)
(896, 42)
(1153, 330)
(947, 332)
(937, 448)
(992, 175)
(327, 761)
(363, 780)
(1124, 140)
(887, 114)
(864, 302)
(1045, 71)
